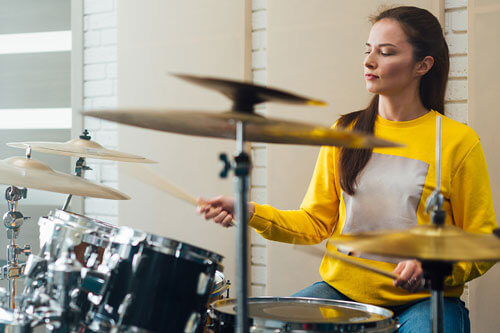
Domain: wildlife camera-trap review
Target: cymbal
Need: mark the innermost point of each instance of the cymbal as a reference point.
(257, 128)
(424, 242)
(80, 148)
(248, 94)
(29, 173)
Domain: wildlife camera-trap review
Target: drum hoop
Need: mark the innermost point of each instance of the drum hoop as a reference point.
(387, 322)
(219, 287)
(180, 249)
(128, 236)
(83, 221)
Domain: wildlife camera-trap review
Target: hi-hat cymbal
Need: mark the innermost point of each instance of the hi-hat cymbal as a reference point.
(29, 173)
(257, 128)
(245, 94)
(80, 148)
(424, 242)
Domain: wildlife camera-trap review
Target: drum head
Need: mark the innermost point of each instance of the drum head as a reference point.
(290, 311)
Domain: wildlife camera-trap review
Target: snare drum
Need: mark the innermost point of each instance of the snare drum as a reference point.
(300, 314)
(62, 231)
(220, 288)
(170, 287)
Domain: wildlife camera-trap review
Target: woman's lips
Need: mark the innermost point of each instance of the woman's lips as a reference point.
(371, 76)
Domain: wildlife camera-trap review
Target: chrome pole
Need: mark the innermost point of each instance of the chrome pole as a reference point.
(437, 311)
(241, 172)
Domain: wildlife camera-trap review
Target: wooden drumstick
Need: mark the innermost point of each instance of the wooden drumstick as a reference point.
(150, 177)
(348, 260)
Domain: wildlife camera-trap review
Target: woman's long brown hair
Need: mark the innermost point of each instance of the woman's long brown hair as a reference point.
(426, 36)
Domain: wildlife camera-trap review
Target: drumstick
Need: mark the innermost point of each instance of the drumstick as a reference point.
(150, 177)
(349, 260)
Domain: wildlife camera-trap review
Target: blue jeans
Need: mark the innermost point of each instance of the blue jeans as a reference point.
(414, 317)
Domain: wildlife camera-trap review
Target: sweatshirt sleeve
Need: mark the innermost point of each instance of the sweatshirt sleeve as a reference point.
(472, 208)
(318, 213)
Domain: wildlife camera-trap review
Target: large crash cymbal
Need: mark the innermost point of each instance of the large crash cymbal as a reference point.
(245, 94)
(80, 148)
(257, 128)
(29, 173)
(424, 242)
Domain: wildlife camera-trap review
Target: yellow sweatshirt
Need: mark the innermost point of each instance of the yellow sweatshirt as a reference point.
(391, 194)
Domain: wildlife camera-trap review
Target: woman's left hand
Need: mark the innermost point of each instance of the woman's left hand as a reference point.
(410, 276)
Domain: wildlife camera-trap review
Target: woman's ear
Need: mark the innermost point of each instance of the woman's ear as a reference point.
(424, 66)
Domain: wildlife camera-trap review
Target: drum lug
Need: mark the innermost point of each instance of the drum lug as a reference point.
(122, 310)
(192, 323)
(203, 282)
(397, 324)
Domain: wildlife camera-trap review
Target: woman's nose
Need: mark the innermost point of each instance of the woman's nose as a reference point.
(369, 61)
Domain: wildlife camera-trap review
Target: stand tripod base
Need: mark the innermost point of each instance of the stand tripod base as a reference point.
(436, 272)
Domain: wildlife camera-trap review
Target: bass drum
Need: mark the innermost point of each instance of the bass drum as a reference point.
(300, 314)
(220, 290)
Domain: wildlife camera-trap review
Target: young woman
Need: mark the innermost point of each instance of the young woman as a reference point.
(355, 190)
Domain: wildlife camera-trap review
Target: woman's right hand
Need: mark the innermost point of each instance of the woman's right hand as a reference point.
(221, 210)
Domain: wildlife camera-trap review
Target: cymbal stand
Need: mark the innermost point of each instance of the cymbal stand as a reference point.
(80, 168)
(436, 271)
(13, 220)
(241, 167)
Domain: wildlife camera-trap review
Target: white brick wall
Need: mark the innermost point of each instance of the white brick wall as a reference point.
(456, 94)
(258, 191)
(456, 36)
(99, 90)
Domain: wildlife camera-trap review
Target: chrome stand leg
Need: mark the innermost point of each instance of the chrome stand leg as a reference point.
(241, 168)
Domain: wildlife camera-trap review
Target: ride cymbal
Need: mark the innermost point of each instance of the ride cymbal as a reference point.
(80, 148)
(29, 173)
(257, 128)
(424, 242)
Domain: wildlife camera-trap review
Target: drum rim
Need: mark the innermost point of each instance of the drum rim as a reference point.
(387, 322)
(93, 231)
(165, 245)
(82, 221)
(219, 287)
(124, 237)
(180, 249)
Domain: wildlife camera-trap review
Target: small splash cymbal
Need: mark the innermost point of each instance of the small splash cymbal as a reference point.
(80, 148)
(257, 128)
(246, 94)
(29, 173)
(424, 242)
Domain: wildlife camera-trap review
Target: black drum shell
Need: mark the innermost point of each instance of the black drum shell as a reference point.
(165, 291)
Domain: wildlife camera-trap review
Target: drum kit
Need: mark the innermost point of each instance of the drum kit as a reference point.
(91, 276)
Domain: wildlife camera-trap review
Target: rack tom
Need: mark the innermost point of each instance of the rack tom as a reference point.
(170, 287)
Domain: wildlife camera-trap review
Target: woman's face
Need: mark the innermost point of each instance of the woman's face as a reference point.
(389, 64)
